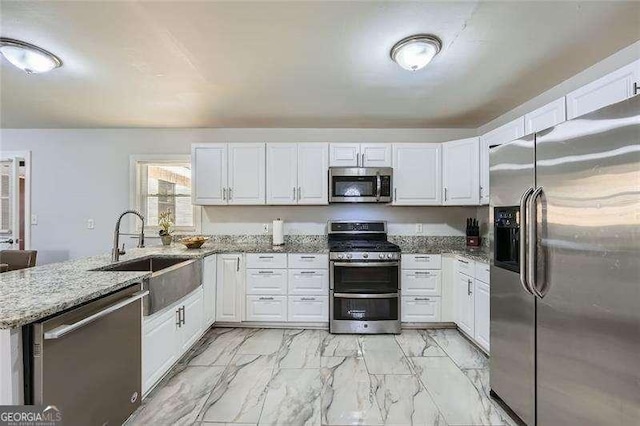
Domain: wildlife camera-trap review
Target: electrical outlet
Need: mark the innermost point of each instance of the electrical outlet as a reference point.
(265, 228)
(90, 224)
(418, 228)
(34, 219)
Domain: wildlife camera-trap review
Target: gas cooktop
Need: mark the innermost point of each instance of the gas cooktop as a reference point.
(361, 240)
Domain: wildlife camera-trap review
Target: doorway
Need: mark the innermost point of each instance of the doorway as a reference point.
(15, 200)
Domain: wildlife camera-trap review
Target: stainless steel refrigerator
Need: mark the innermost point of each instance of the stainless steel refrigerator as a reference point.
(565, 272)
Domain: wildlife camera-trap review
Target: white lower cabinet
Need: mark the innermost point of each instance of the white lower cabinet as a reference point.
(308, 309)
(420, 283)
(230, 288)
(482, 314)
(308, 282)
(420, 309)
(464, 303)
(168, 334)
(266, 308)
(271, 282)
(209, 289)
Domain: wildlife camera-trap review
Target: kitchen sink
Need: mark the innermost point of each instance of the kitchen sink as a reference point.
(171, 279)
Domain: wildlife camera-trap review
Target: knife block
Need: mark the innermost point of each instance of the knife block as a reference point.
(473, 241)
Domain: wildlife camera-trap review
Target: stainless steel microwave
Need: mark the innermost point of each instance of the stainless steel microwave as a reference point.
(360, 184)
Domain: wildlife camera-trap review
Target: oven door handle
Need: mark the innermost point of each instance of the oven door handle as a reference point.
(372, 264)
(366, 296)
(68, 328)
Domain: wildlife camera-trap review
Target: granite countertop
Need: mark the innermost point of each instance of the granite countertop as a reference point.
(32, 294)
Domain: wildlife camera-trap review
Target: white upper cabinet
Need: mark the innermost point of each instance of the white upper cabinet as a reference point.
(209, 167)
(246, 173)
(615, 87)
(282, 173)
(375, 155)
(460, 164)
(360, 155)
(545, 117)
(313, 173)
(511, 131)
(344, 155)
(417, 177)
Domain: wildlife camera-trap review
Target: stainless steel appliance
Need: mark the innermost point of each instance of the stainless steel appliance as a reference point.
(565, 292)
(360, 184)
(364, 278)
(87, 361)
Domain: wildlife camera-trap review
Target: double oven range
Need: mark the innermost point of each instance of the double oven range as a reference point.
(364, 278)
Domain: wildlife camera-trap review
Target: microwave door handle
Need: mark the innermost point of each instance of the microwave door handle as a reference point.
(378, 186)
(523, 241)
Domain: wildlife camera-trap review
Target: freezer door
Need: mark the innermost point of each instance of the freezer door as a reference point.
(588, 227)
(512, 307)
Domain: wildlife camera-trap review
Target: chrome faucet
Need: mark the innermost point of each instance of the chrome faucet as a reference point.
(116, 252)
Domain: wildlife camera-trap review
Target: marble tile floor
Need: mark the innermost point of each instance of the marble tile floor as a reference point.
(244, 376)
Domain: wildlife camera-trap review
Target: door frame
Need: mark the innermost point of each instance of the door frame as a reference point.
(26, 155)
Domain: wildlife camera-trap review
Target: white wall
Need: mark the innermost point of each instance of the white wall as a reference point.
(79, 174)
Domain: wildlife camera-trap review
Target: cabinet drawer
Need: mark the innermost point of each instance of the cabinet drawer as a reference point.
(421, 261)
(308, 308)
(314, 282)
(466, 266)
(267, 281)
(420, 309)
(309, 261)
(482, 272)
(421, 282)
(267, 260)
(266, 308)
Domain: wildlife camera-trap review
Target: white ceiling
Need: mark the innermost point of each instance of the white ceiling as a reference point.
(296, 64)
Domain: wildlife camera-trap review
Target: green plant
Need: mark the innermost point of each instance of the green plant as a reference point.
(165, 222)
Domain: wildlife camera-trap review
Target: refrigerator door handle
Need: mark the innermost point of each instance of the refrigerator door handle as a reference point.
(532, 242)
(523, 240)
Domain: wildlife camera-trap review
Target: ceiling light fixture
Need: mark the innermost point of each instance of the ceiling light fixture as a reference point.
(415, 52)
(29, 58)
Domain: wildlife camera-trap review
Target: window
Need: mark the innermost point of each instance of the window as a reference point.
(164, 184)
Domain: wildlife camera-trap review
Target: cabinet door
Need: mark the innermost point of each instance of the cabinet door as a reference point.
(344, 155)
(282, 173)
(308, 309)
(545, 117)
(464, 303)
(612, 88)
(481, 312)
(159, 347)
(209, 288)
(230, 288)
(420, 283)
(267, 308)
(484, 171)
(460, 171)
(375, 154)
(417, 176)
(247, 175)
(209, 169)
(313, 173)
(420, 309)
(191, 328)
(511, 131)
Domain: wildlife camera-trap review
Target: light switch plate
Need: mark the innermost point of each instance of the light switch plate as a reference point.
(34, 219)
(90, 224)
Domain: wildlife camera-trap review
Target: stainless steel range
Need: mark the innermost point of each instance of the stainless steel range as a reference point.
(364, 278)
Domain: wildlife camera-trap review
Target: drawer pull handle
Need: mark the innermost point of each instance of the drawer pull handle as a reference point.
(305, 299)
(422, 273)
(265, 272)
(417, 299)
(265, 298)
(463, 261)
(423, 257)
(308, 272)
(307, 257)
(265, 257)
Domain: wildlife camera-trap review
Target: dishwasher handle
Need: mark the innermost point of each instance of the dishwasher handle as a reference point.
(68, 328)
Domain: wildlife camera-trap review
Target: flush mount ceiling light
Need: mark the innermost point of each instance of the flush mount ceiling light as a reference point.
(415, 52)
(29, 58)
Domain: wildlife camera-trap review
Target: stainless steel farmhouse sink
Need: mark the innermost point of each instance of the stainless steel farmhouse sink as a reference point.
(171, 278)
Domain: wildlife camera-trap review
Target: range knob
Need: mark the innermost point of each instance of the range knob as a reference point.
(381, 255)
(340, 256)
(389, 255)
(365, 255)
(349, 256)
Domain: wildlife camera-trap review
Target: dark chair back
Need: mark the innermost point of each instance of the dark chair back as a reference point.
(18, 259)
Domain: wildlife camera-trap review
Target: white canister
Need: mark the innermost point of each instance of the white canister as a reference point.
(278, 232)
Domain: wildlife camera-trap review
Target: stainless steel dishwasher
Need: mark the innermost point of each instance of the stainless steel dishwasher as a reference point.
(87, 361)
